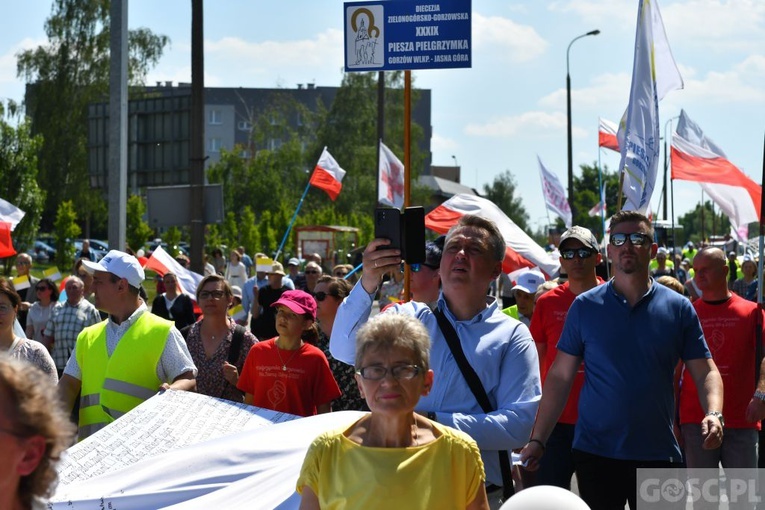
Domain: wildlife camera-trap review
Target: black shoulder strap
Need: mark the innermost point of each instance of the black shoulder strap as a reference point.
(478, 391)
(236, 344)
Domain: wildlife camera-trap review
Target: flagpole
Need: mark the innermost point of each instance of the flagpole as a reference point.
(762, 228)
(603, 206)
(292, 222)
(407, 159)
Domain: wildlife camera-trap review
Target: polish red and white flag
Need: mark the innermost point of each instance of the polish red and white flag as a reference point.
(521, 250)
(607, 134)
(695, 157)
(327, 175)
(161, 262)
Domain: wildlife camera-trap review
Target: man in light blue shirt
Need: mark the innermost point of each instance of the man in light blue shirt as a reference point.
(499, 348)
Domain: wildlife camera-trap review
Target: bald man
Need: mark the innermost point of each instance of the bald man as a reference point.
(732, 327)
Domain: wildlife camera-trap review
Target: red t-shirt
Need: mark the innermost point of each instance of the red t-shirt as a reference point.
(546, 327)
(729, 329)
(306, 383)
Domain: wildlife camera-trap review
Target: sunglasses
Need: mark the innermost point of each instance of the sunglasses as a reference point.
(321, 296)
(582, 253)
(636, 238)
(311, 272)
(416, 268)
(340, 274)
(42, 288)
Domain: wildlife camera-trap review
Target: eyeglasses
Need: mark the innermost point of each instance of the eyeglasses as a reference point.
(582, 253)
(4, 309)
(636, 238)
(42, 288)
(377, 372)
(311, 272)
(416, 268)
(212, 294)
(321, 296)
(340, 274)
(23, 263)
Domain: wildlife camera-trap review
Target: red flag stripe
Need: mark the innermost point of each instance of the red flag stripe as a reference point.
(326, 181)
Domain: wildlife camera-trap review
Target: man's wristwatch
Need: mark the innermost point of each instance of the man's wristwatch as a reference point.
(718, 415)
(759, 395)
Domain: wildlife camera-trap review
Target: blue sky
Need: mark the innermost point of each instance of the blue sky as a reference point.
(511, 105)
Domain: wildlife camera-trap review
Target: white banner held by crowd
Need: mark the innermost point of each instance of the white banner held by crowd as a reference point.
(10, 213)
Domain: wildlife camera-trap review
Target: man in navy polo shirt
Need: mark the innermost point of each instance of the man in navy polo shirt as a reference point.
(630, 333)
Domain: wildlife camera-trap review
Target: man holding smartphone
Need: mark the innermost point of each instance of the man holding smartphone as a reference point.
(498, 348)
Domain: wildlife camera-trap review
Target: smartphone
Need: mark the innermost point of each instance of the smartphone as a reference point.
(388, 226)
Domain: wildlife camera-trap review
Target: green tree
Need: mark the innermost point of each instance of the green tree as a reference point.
(230, 231)
(213, 239)
(172, 237)
(66, 230)
(694, 229)
(587, 195)
(137, 231)
(18, 177)
(249, 236)
(66, 74)
(502, 193)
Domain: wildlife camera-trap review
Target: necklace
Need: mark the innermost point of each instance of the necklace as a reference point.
(284, 363)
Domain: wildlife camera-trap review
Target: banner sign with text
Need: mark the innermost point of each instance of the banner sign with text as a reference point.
(406, 35)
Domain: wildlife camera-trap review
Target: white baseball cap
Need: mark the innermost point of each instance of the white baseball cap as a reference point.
(529, 281)
(120, 264)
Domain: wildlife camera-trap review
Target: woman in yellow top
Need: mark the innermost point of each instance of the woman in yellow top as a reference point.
(393, 457)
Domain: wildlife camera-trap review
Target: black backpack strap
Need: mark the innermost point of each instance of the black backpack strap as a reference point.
(236, 344)
(478, 391)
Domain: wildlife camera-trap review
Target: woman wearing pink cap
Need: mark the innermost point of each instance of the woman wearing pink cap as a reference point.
(288, 373)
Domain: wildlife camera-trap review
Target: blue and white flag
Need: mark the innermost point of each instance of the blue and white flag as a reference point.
(654, 73)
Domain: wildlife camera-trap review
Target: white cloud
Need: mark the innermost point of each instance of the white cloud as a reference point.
(717, 25)
(606, 90)
(527, 123)
(8, 60)
(442, 143)
(518, 43)
(324, 49)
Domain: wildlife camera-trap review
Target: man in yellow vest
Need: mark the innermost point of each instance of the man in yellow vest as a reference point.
(126, 359)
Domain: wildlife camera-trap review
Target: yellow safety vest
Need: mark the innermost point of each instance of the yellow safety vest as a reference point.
(512, 311)
(113, 385)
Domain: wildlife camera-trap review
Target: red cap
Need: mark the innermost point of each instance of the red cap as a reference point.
(299, 302)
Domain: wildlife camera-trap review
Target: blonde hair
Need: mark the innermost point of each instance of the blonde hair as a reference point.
(35, 410)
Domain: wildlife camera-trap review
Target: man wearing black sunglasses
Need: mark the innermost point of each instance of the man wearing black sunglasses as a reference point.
(579, 256)
(630, 333)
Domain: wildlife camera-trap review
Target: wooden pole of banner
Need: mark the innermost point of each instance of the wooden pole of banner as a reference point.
(407, 159)
(762, 228)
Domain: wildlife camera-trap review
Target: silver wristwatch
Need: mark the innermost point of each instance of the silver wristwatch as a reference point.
(718, 415)
(759, 395)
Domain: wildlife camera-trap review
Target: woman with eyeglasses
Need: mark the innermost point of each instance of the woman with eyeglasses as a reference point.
(330, 292)
(212, 339)
(39, 313)
(34, 431)
(393, 455)
(16, 346)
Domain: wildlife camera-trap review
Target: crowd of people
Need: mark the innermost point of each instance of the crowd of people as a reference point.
(579, 375)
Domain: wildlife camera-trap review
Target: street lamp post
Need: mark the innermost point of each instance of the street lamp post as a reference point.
(568, 115)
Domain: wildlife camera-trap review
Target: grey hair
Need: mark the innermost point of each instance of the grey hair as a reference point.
(390, 330)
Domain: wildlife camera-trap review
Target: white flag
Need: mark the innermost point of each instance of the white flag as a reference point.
(555, 194)
(391, 179)
(654, 73)
(9, 213)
